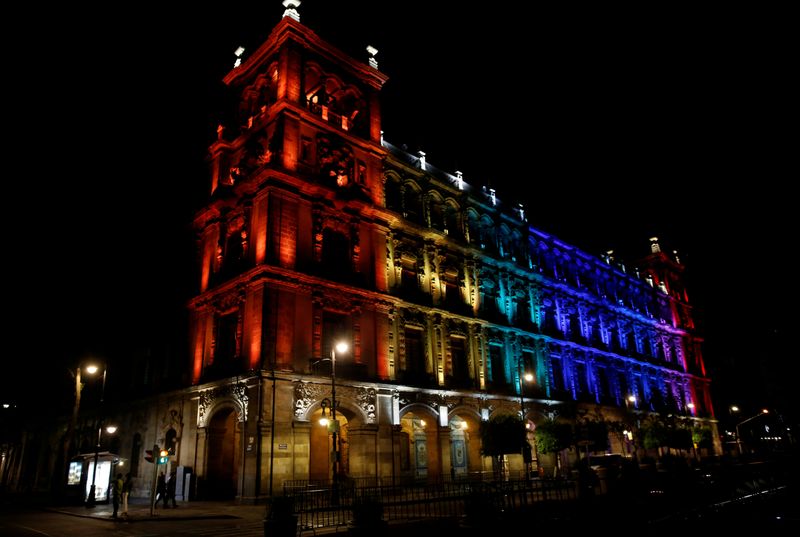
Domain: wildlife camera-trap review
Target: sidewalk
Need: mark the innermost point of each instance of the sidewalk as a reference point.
(139, 511)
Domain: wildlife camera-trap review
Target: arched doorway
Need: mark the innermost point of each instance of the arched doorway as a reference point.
(222, 459)
(420, 458)
(465, 449)
(320, 464)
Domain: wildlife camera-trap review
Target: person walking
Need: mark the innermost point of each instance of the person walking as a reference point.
(173, 481)
(127, 487)
(165, 494)
(116, 493)
(161, 490)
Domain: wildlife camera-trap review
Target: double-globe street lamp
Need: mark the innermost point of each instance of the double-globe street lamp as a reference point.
(333, 423)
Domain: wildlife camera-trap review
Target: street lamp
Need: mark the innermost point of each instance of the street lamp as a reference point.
(738, 437)
(91, 501)
(526, 453)
(333, 425)
(69, 440)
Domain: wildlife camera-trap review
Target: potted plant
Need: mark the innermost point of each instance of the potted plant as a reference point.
(280, 519)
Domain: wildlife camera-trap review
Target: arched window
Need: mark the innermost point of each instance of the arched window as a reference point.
(473, 228)
(412, 204)
(171, 442)
(504, 241)
(452, 219)
(437, 211)
(393, 195)
(234, 253)
(488, 240)
(515, 246)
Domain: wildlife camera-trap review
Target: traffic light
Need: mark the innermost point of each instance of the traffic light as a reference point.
(163, 456)
(148, 455)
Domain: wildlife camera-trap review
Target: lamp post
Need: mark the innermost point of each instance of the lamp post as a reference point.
(738, 436)
(333, 425)
(528, 377)
(91, 501)
(69, 440)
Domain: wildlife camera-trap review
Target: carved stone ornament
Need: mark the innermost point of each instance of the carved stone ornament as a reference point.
(235, 393)
(367, 402)
(305, 394)
(171, 419)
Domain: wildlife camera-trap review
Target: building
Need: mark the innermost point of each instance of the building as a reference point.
(318, 231)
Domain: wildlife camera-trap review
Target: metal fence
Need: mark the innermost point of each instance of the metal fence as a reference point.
(319, 504)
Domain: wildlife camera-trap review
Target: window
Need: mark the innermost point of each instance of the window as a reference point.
(234, 253)
(529, 363)
(305, 150)
(582, 380)
(171, 442)
(408, 276)
(415, 351)
(458, 355)
(603, 385)
(497, 364)
(452, 296)
(335, 329)
(558, 374)
(453, 222)
(336, 254)
(393, 196)
(437, 214)
(226, 337)
(474, 229)
(361, 172)
(412, 205)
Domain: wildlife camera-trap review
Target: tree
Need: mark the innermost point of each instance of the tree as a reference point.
(553, 437)
(501, 435)
(654, 435)
(703, 437)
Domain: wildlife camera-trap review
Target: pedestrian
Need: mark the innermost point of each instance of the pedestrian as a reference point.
(127, 487)
(116, 493)
(161, 489)
(171, 484)
(165, 494)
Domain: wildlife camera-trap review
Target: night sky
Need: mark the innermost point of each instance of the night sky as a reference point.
(612, 126)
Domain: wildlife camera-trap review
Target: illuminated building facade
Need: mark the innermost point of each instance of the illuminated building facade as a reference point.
(319, 231)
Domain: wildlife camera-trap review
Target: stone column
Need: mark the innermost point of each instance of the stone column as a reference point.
(363, 452)
(444, 451)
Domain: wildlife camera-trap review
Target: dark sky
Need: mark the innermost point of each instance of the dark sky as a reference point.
(612, 126)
